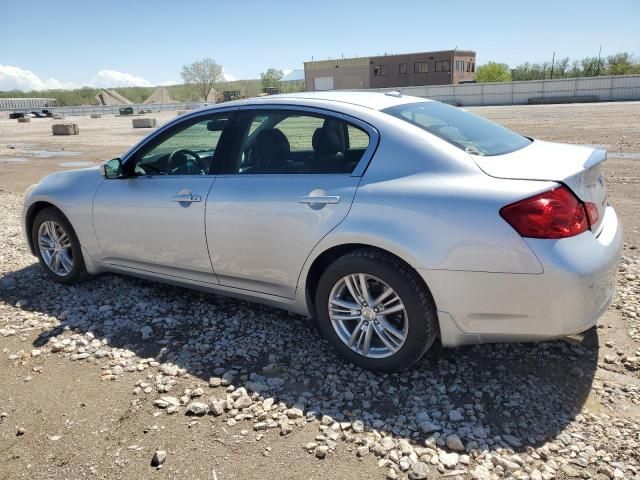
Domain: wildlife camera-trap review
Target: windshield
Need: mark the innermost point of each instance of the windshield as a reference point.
(470, 132)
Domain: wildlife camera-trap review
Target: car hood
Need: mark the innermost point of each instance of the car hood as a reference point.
(72, 175)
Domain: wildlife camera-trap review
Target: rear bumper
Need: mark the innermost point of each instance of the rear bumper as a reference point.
(573, 292)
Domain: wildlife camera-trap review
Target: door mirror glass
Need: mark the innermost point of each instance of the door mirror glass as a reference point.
(216, 125)
(112, 168)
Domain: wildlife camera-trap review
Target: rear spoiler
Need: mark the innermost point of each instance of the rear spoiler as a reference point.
(597, 156)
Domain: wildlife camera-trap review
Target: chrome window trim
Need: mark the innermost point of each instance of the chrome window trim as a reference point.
(151, 177)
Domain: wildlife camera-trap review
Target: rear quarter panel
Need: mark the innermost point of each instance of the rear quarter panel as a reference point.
(427, 202)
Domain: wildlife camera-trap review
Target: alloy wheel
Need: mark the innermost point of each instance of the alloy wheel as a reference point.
(368, 315)
(55, 248)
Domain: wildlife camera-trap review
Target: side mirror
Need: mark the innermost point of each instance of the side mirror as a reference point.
(111, 168)
(216, 125)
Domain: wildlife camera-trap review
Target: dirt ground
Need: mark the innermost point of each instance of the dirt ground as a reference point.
(79, 419)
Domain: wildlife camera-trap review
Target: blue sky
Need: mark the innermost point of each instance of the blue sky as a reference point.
(112, 43)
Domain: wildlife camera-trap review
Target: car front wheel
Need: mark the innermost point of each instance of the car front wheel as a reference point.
(57, 247)
(376, 311)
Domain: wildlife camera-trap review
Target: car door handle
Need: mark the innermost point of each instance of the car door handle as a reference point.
(186, 198)
(323, 199)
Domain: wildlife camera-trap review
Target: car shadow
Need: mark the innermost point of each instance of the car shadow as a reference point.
(527, 393)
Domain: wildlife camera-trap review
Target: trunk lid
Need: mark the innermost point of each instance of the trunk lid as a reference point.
(578, 167)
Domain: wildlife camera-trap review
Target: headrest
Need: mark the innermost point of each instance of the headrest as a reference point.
(325, 141)
(272, 147)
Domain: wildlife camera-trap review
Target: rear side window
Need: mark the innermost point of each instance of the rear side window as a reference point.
(469, 132)
(277, 142)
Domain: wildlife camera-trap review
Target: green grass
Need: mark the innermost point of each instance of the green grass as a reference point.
(298, 130)
(195, 138)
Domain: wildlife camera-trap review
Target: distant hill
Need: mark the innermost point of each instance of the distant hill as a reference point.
(180, 93)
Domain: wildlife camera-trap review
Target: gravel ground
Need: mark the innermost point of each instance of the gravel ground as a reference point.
(123, 378)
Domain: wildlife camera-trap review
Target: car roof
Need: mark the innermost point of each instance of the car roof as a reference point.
(372, 100)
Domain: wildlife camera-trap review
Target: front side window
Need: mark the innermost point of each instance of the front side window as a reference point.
(469, 132)
(420, 67)
(187, 150)
(293, 142)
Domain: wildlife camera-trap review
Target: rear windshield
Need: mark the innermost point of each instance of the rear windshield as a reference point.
(469, 132)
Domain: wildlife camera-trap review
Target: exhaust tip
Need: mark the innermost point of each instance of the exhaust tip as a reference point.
(576, 338)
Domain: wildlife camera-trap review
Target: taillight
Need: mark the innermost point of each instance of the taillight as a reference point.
(553, 214)
(592, 213)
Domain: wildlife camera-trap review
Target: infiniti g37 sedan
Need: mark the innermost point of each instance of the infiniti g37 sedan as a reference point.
(392, 220)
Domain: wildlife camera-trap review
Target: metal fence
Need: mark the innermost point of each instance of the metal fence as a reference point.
(602, 89)
(113, 109)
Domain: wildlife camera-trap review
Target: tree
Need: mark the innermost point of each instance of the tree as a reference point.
(203, 74)
(560, 70)
(622, 64)
(271, 77)
(591, 66)
(493, 72)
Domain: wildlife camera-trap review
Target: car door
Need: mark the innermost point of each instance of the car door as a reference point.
(291, 180)
(152, 219)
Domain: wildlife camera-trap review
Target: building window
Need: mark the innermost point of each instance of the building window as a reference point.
(462, 66)
(420, 67)
(402, 68)
(443, 66)
(380, 70)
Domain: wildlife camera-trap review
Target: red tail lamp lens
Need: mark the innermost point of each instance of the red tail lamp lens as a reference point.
(553, 214)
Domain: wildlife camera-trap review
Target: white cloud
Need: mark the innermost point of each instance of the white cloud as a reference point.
(16, 78)
(113, 78)
(168, 83)
(227, 77)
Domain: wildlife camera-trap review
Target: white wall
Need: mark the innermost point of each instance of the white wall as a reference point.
(612, 88)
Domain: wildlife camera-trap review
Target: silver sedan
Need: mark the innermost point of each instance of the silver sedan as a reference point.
(392, 220)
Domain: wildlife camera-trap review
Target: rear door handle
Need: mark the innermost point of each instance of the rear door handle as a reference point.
(322, 199)
(186, 198)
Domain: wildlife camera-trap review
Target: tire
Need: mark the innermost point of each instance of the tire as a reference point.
(381, 271)
(65, 275)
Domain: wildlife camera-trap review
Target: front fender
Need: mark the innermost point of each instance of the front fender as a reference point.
(72, 193)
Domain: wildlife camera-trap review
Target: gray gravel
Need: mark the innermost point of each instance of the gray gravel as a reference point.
(482, 412)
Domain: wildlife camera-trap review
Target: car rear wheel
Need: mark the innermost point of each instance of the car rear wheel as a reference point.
(376, 311)
(57, 247)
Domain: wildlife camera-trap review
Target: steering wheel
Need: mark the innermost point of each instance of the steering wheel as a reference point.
(186, 166)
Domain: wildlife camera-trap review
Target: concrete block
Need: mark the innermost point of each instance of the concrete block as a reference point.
(58, 116)
(24, 120)
(143, 122)
(95, 115)
(65, 129)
